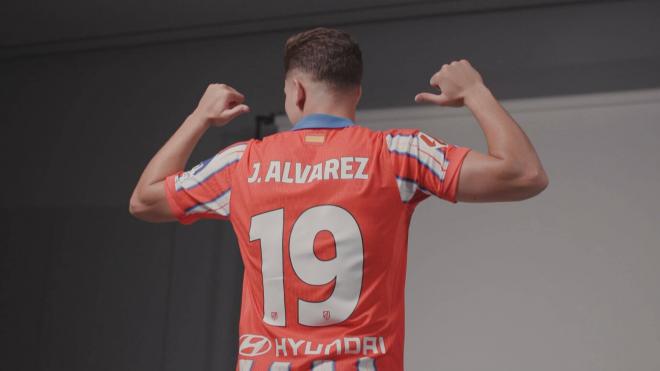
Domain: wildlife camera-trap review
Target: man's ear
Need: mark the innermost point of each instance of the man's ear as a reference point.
(301, 94)
(359, 92)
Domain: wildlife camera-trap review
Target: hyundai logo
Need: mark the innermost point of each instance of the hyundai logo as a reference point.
(253, 345)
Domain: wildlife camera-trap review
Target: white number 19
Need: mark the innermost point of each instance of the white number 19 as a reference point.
(345, 268)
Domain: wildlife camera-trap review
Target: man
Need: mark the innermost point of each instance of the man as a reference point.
(322, 211)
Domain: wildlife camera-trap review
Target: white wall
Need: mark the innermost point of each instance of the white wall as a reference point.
(568, 280)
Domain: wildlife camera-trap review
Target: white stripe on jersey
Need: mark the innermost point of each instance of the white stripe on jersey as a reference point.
(207, 168)
(323, 366)
(407, 188)
(219, 205)
(280, 366)
(410, 145)
(366, 364)
(245, 364)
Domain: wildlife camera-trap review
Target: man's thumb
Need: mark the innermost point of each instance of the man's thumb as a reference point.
(235, 111)
(431, 98)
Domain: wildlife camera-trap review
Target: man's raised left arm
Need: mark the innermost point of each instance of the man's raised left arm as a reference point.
(219, 105)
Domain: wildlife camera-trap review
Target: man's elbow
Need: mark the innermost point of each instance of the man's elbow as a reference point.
(535, 182)
(136, 208)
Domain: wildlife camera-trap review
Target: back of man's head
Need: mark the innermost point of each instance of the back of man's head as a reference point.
(328, 55)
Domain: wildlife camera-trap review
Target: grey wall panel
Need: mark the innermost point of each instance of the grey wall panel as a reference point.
(107, 295)
(32, 28)
(25, 251)
(83, 289)
(205, 298)
(566, 280)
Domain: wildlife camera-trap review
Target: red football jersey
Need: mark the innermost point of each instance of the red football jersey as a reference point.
(321, 213)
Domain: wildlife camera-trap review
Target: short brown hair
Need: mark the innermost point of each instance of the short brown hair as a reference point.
(329, 55)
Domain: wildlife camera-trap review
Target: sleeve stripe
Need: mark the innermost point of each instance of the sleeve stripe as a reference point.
(205, 190)
(204, 170)
(408, 187)
(405, 145)
(218, 205)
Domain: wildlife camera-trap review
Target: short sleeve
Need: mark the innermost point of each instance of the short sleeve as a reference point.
(204, 191)
(424, 165)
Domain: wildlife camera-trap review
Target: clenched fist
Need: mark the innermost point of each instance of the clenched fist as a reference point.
(220, 104)
(455, 80)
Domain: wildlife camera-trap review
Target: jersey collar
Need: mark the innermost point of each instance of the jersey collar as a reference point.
(322, 120)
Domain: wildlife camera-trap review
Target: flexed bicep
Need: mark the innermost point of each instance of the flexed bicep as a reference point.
(485, 178)
(155, 207)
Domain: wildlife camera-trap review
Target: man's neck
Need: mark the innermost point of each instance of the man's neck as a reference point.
(335, 111)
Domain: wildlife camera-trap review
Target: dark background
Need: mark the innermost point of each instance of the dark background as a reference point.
(91, 90)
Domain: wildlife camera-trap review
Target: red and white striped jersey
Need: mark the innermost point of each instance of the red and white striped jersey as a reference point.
(321, 214)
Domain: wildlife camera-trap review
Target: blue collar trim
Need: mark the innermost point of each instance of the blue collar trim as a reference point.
(322, 120)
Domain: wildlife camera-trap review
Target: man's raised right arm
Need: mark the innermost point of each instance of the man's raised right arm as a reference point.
(511, 170)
